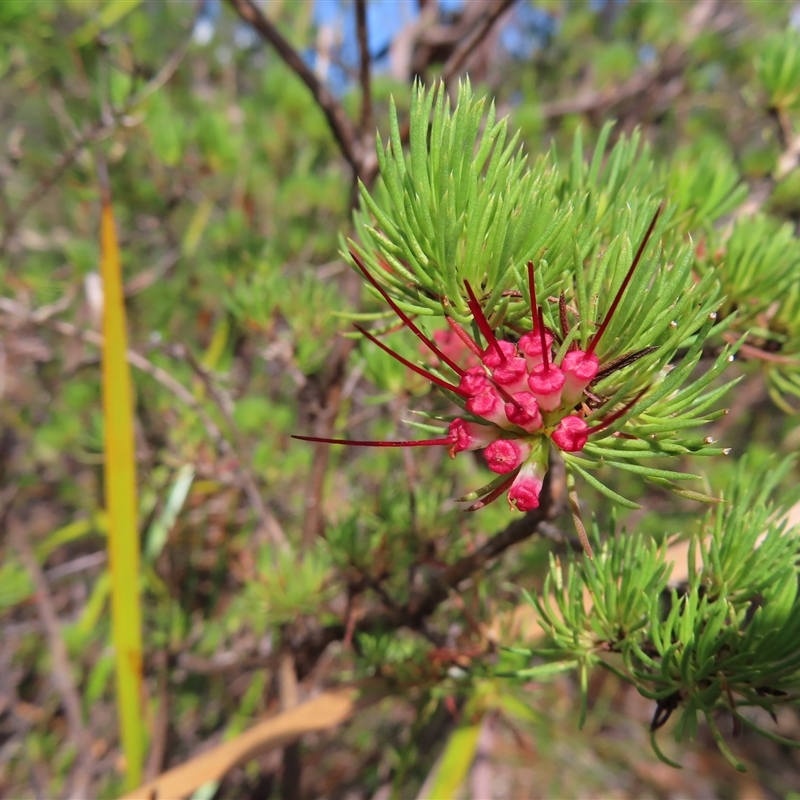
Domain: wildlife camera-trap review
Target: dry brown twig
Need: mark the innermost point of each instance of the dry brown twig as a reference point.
(342, 127)
(484, 23)
(364, 66)
(309, 643)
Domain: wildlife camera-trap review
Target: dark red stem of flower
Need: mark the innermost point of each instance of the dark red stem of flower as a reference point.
(534, 306)
(464, 336)
(545, 354)
(602, 329)
(611, 419)
(406, 319)
(370, 443)
(495, 493)
(506, 395)
(405, 362)
(483, 323)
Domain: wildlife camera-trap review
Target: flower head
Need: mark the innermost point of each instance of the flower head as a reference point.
(571, 433)
(505, 455)
(521, 393)
(470, 436)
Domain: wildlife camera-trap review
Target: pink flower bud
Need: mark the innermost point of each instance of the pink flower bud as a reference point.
(524, 412)
(490, 357)
(524, 492)
(470, 435)
(505, 455)
(512, 374)
(474, 380)
(489, 405)
(546, 386)
(530, 345)
(571, 434)
(579, 369)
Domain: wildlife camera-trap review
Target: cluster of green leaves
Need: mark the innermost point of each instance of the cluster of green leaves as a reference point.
(757, 262)
(778, 70)
(727, 638)
(465, 206)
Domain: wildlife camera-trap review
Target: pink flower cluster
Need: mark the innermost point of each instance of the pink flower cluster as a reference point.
(517, 398)
(522, 399)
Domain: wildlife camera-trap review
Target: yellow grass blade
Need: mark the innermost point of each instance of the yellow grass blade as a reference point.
(120, 480)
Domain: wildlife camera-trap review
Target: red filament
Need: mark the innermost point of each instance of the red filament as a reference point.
(635, 263)
(373, 443)
(405, 362)
(483, 323)
(405, 318)
(545, 354)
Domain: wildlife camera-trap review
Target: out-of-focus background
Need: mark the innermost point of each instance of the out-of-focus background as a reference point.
(232, 135)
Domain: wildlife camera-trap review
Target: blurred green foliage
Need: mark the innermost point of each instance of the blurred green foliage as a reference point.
(231, 199)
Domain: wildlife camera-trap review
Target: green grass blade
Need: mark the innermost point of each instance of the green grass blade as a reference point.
(456, 761)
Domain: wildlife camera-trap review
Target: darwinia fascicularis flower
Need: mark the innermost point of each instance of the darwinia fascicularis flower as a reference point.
(518, 400)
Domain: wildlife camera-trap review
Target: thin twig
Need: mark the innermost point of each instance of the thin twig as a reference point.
(340, 124)
(80, 564)
(574, 503)
(330, 401)
(160, 727)
(14, 309)
(470, 43)
(93, 133)
(292, 762)
(364, 70)
(605, 99)
(147, 277)
(749, 351)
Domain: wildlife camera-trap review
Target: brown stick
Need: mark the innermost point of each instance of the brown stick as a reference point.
(340, 124)
(421, 606)
(470, 43)
(364, 69)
